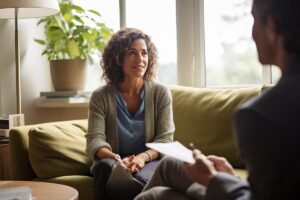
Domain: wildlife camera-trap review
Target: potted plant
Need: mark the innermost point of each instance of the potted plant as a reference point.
(72, 36)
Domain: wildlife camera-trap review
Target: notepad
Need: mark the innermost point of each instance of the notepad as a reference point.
(173, 149)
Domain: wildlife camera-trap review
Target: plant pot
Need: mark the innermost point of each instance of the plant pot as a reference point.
(68, 75)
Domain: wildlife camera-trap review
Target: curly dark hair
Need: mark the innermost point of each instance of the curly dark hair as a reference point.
(286, 16)
(113, 55)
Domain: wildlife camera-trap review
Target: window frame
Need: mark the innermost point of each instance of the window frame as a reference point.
(191, 65)
(191, 45)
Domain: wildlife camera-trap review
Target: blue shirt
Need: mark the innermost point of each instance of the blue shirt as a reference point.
(131, 128)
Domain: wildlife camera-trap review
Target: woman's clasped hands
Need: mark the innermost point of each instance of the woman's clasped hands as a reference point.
(133, 163)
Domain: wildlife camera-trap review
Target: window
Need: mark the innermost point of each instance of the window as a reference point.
(158, 19)
(231, 57)
(215, 46)
(201, 43)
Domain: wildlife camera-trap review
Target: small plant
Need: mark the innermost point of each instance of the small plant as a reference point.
(73, 33)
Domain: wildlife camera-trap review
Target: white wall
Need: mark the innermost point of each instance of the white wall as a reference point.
(35, 75)
(6, 67)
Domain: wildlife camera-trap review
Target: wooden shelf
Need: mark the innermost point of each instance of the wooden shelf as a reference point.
(42, 102)
(4, 161)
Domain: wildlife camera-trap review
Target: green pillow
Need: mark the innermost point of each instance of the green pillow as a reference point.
(58, 150)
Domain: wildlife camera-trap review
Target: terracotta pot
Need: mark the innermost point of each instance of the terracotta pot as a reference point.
(68, 75)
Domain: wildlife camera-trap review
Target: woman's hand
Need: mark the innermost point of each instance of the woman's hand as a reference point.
(134, 163)
(140, 162)
(128, 162)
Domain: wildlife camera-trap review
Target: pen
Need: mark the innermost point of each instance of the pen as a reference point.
(201, 155)
(192, 146)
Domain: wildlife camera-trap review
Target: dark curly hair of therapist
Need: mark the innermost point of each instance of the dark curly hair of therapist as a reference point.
(286, 17)
(113, 55)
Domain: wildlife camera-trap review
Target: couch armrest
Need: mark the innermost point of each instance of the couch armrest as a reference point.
(20, 168)
(19, 144)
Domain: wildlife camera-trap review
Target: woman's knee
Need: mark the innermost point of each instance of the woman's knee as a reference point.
(103, 166)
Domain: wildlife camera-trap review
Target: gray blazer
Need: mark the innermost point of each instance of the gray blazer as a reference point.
(268, 138)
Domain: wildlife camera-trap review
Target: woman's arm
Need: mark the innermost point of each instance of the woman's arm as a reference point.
(105, 153)
(148, 155)
(136, 163)
(96, 136)
(164, 127)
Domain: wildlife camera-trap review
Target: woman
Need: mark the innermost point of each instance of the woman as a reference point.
(129, 111)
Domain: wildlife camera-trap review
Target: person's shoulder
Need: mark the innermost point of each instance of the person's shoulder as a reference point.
(102, 91)
(261, 102)
(280, 94)
(158, 90)
(279, 103)
(99, 90)
(251, 103)
(157, 85)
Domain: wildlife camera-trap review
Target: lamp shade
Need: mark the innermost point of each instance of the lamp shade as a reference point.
(28, 8)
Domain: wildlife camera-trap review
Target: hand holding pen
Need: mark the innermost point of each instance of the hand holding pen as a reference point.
(202, 171)
(219, 163)
(198, 154)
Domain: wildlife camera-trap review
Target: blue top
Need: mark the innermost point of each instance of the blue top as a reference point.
(131, 128)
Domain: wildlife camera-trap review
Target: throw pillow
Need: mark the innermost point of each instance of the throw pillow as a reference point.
(58, 150)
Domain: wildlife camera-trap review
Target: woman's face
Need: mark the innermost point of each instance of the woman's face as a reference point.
(136, 60)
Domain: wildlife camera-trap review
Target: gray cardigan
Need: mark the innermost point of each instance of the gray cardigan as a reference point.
(102, 122)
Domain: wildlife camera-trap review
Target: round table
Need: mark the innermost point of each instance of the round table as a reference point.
(43, 190)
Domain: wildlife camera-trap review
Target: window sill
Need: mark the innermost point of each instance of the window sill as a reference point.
(81, 102)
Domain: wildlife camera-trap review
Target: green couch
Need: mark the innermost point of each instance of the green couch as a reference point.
(55, 152)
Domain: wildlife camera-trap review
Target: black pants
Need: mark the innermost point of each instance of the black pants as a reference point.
(102, 171)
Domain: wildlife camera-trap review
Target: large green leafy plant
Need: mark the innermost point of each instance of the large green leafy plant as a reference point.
(73, 33)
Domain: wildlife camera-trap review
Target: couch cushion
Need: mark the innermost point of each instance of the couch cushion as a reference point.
(58, 150)
(205, 117)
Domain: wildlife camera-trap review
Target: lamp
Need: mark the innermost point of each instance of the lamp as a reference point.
(15, 9)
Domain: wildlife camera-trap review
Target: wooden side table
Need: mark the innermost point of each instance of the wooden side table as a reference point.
(43, 190)
(4, 161)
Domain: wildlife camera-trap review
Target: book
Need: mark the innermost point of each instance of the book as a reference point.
(11, 120)
(4, 133)
(173, 149)
(4, 123)
(56, 94)
(76, 99)
(19, 193)
(4, 140)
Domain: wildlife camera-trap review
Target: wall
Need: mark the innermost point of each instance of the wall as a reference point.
(35, 75)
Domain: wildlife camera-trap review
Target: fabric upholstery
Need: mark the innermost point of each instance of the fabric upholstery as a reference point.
(58, 150)
(204, 117)
(55, 152)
